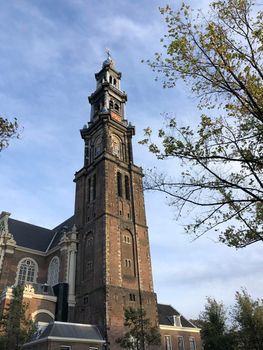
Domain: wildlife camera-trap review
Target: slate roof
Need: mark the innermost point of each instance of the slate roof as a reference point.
(30, 236)
(36, 237)
(71, 330)
(166, 313)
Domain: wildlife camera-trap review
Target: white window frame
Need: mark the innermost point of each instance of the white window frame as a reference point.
(192, 341)
(53, 274)
(168, 344)
(182, 338)
(35, 271)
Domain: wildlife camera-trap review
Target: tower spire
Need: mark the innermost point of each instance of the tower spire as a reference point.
(108, 96)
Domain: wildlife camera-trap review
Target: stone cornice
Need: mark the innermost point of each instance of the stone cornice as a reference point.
(181, 329)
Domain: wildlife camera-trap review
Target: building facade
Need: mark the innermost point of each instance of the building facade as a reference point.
(93, 266)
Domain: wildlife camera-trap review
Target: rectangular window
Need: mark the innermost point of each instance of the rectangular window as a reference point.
(168, 342)
(90, 265)
(94, 187)
(192, 343)
(128, 263)
(89, 190)
(119, 184)
(65, 347)
(180, 343)
(132, 297)
(90, 241)
(126, 239)
(127, 187)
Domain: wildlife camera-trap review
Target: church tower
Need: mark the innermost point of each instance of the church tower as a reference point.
(113, 269)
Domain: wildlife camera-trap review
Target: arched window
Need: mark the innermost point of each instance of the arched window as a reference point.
(53, 271)
(111, 104)
(27, 271)
(116, 107)
(43, 315)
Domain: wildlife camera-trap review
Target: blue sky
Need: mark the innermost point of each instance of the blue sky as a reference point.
(49, 52)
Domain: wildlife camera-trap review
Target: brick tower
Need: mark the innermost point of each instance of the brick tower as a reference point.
(113, 259)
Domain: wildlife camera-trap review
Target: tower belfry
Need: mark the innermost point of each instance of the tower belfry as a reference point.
(113, 258)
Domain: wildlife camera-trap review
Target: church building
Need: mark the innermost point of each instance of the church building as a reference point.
(80, 276)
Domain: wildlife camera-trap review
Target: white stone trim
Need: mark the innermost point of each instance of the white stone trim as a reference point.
(180, 329)
(40, 296)
(18, 269)
(73, 340)
(7, 294)
(42, 311)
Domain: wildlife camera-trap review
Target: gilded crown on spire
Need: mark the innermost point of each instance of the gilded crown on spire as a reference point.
(109, 60)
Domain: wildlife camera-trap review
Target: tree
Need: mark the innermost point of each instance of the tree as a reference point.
(15, 327)
(247, 318)
(140, 333)
(220, 57)
(241, 328)
(8, 130)
(214, 331)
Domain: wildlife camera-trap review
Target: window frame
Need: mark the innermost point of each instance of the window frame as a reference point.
(50, 274)
(179, 346)
(127, 187)
(192, 342)
(35, 272)
(168, 344)
(119, 184)
(128, 263)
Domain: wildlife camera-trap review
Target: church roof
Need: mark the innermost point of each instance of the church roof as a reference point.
(30, 236)
(71, 330)
(166, 313)
(37, 237)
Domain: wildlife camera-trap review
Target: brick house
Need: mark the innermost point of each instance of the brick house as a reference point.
(91, 267)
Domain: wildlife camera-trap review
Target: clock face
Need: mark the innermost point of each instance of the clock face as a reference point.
(116, 116)
(98, 146)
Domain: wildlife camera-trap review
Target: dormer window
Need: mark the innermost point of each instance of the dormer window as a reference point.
(177, 321)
